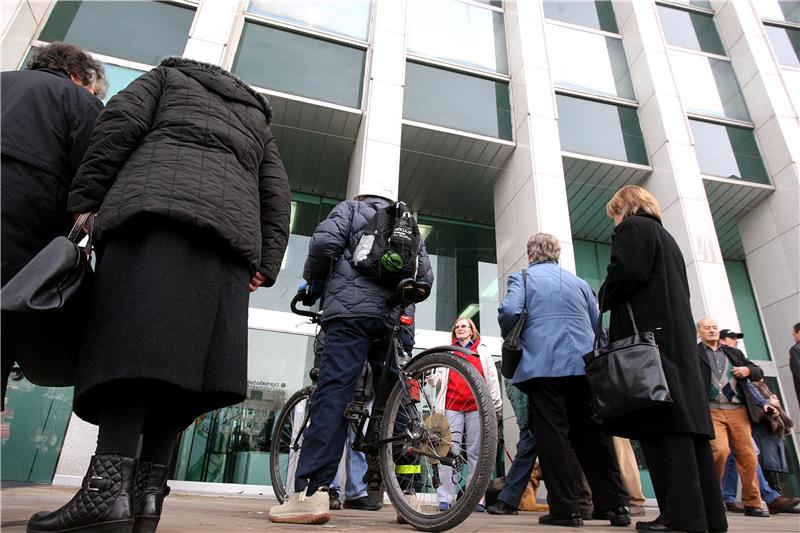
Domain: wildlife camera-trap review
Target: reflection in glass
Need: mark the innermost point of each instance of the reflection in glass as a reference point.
(347, 17)
(463, 259)
(473, 36)
(145, 32)
(708, 85)
(728, 152)
(690, 30)
(231, 445)
(786, 44)
(778, 10)
(119, 78)
(456, 100)
(600, 129)
(298, 64)
(588, 61)
(593, 14)
(747, 310)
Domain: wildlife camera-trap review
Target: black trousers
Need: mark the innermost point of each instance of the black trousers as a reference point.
(685, 481)
(562, 418)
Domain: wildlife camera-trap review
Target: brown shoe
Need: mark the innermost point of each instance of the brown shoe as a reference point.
(782, 504)
(734, 507)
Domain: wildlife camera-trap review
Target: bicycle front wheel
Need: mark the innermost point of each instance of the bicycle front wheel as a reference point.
(287, 439)
(441, 445)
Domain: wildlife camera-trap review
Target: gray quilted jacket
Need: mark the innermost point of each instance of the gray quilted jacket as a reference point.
(347, 292)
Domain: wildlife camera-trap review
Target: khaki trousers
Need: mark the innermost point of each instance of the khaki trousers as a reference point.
(629, 470)
(732, 431)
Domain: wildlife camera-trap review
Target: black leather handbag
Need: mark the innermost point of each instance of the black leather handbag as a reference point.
(626, 375)
(512, 344)
(44, 308)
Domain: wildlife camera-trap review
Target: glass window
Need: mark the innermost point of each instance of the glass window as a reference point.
(463, 259)
(779, 10)
(473, 36)
(456, 100)
(307, 211)
(119, 78)
(690, 30)
(785, 43)
(350, 18)
(231, 445)
(697, 3)
(140, 31)
(728, 152)
(708, 85)
(593, 14)
(600, 129)
(588, 61)
(747, 311)
(298, 64)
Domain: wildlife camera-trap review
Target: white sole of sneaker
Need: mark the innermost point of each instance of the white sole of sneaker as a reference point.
(301, 519)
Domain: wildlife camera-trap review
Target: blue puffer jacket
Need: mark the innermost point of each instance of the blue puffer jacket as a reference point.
(347, 292)
(562, 311)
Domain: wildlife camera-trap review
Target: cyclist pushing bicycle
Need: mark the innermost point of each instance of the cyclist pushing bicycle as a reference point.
(405, 433)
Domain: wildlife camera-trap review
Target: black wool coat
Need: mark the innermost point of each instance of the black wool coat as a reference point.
(47, 121)
(647, 270)
(736, 358)
(191, 143)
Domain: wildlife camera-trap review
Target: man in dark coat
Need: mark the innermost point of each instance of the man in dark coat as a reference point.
(648, 271)
(48, 113)
(355, 317)
(732, 407)
(794, 360)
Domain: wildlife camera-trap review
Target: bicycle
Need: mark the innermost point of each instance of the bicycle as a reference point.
(408, 438)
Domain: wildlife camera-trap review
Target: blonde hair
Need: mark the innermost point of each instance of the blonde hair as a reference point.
(543, 247)
(632, 199)
(476, 336)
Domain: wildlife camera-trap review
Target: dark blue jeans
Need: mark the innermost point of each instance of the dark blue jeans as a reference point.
(520, 471)
(348, 343)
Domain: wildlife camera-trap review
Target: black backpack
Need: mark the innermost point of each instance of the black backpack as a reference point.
(388, 250)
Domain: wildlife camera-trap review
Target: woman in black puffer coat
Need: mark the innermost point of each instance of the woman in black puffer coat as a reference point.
(192, 205)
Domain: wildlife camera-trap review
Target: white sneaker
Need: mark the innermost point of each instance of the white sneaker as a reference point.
(302, 509)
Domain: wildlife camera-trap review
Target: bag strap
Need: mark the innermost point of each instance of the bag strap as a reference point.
(524, 273)
(600, 320)
(86, 219)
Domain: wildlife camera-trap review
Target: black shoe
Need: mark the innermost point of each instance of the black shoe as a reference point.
(150, 489)
(566, 520)
(620, 517)
(363, 504)
(755, 511)
(501, 507)
(104, 504)
(654, 526)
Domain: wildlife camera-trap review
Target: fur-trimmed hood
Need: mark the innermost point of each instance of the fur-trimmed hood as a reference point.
(219, 80)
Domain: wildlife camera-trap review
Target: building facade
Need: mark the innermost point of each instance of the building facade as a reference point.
(493, 120)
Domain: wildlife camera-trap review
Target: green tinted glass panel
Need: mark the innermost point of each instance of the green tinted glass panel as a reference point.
(690, 30)
(463, 259)
(298, 64)
(786, 45)
(140, 31)
(600, 129)
(747, 311)
(119, 78)
(345, 17)
(697, 3)
(231, 445)
(593, 14)
(473, 36)
(591, 261)
(708, 85)
(791, 10)
(456, 100)
(34, 423)
(728, 152)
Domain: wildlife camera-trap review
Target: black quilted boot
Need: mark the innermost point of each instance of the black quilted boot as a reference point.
(103, 505)
(148, 496)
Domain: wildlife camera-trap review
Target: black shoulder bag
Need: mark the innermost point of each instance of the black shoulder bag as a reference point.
(626, 375)
(44, 308)
(512, 344)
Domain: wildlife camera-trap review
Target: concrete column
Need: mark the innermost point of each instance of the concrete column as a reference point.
(21, 22)
(771, 232)
(676, 180)
(530, 194)
(211, 31)
(375, 164)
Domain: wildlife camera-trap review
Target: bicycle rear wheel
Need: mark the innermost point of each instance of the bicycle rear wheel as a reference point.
(287, 439)
(432, 458)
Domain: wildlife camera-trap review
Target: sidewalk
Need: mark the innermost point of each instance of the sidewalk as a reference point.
(195, 513)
